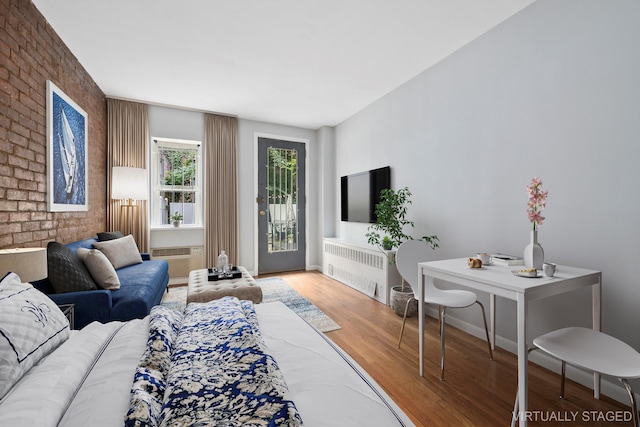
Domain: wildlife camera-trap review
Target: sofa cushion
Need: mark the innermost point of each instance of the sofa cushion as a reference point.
(31, 326)
(109, 235)
(66, 272)
(142, 287)
(100, 268)
(121, 252)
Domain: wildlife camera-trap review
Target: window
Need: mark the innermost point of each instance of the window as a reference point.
(176, 169)
(282, 187)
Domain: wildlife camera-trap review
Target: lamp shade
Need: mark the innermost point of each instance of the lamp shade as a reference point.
(28, 263)
(129, 183)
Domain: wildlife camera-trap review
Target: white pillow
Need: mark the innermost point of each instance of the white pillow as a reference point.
(100, 268)
(31, 326)
(120, 252)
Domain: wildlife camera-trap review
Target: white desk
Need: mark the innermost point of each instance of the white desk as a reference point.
(498, 280)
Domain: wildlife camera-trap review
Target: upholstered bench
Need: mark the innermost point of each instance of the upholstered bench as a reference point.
(202, 290)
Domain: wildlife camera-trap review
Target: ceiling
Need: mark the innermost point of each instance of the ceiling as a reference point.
(303, 63)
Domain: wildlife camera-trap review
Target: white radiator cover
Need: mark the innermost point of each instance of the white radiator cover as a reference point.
(181, 259)
(362, 267)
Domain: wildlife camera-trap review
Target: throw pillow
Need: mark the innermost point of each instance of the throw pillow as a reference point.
(66, 272)
(120, 252)
(109, 235)
(31, 326)
(100, 268)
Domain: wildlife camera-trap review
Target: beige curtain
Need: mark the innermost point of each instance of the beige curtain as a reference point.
(220, 190)
(127, 142)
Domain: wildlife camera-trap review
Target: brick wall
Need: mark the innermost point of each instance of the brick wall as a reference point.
(30, 54)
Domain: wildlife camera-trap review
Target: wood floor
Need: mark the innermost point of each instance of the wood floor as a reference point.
(476, 391)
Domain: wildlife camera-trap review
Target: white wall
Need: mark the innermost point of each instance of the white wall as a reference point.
(326, 180)
(552, 92)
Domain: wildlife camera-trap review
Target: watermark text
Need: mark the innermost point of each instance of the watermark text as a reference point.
(573, 416)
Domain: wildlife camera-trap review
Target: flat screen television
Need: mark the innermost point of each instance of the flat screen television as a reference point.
(360, 193)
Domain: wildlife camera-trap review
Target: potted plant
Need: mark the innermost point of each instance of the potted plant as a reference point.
(388, 233)
(176, 219)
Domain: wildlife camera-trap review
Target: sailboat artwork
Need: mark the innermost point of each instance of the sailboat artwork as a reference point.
(67, 161)
(67, 143)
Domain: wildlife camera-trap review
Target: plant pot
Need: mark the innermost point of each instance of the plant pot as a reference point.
(176, 223)
(399, 298)
(387, 244)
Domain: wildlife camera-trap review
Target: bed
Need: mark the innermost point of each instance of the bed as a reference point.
(179, 369)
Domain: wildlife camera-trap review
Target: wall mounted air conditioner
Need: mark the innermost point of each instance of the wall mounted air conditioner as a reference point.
(181, 259)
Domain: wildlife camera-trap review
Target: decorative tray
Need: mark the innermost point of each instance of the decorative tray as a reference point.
(213, 274)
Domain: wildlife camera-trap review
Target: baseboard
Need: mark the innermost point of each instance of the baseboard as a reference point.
(178, 281)
(308, 268)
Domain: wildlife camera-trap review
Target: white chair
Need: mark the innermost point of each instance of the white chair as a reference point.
(408, 255)
(592, 350)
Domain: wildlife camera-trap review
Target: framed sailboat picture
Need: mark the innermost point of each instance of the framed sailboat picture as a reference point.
(67, 166)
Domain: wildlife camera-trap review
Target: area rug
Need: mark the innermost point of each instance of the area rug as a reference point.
(273, 289)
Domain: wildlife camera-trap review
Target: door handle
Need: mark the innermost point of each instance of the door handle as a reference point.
(260, 199)
(262, 213)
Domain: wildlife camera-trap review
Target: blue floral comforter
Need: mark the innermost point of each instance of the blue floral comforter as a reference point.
(208, 367)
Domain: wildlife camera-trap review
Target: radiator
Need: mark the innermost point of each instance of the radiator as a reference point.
(361, 267)
(181, 259)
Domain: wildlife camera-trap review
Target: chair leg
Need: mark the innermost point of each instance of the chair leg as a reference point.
(486, 329)
(632, 397)
(516, 409)
(442, 314)
(404, 319)
(562, 378)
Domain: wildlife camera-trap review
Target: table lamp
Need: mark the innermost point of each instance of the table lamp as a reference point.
(28, 263)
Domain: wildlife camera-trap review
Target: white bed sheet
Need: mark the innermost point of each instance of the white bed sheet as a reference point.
(50, 389)
(323, 381)
(103, 399)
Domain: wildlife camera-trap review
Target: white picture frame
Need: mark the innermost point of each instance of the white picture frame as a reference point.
(67, 167)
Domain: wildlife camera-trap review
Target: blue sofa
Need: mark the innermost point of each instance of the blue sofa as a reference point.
(141, 287)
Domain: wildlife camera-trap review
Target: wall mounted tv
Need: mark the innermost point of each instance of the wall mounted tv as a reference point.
(360, 193)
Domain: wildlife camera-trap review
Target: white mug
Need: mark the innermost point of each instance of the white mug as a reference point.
(549, 269)
(485, 258)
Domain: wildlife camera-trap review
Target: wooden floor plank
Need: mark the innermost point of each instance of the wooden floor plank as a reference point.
(476, 391)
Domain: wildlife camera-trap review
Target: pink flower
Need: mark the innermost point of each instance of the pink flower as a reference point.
(535, 217)
(537, 201)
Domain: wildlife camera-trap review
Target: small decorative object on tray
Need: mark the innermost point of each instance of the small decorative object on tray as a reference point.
(232, 273)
